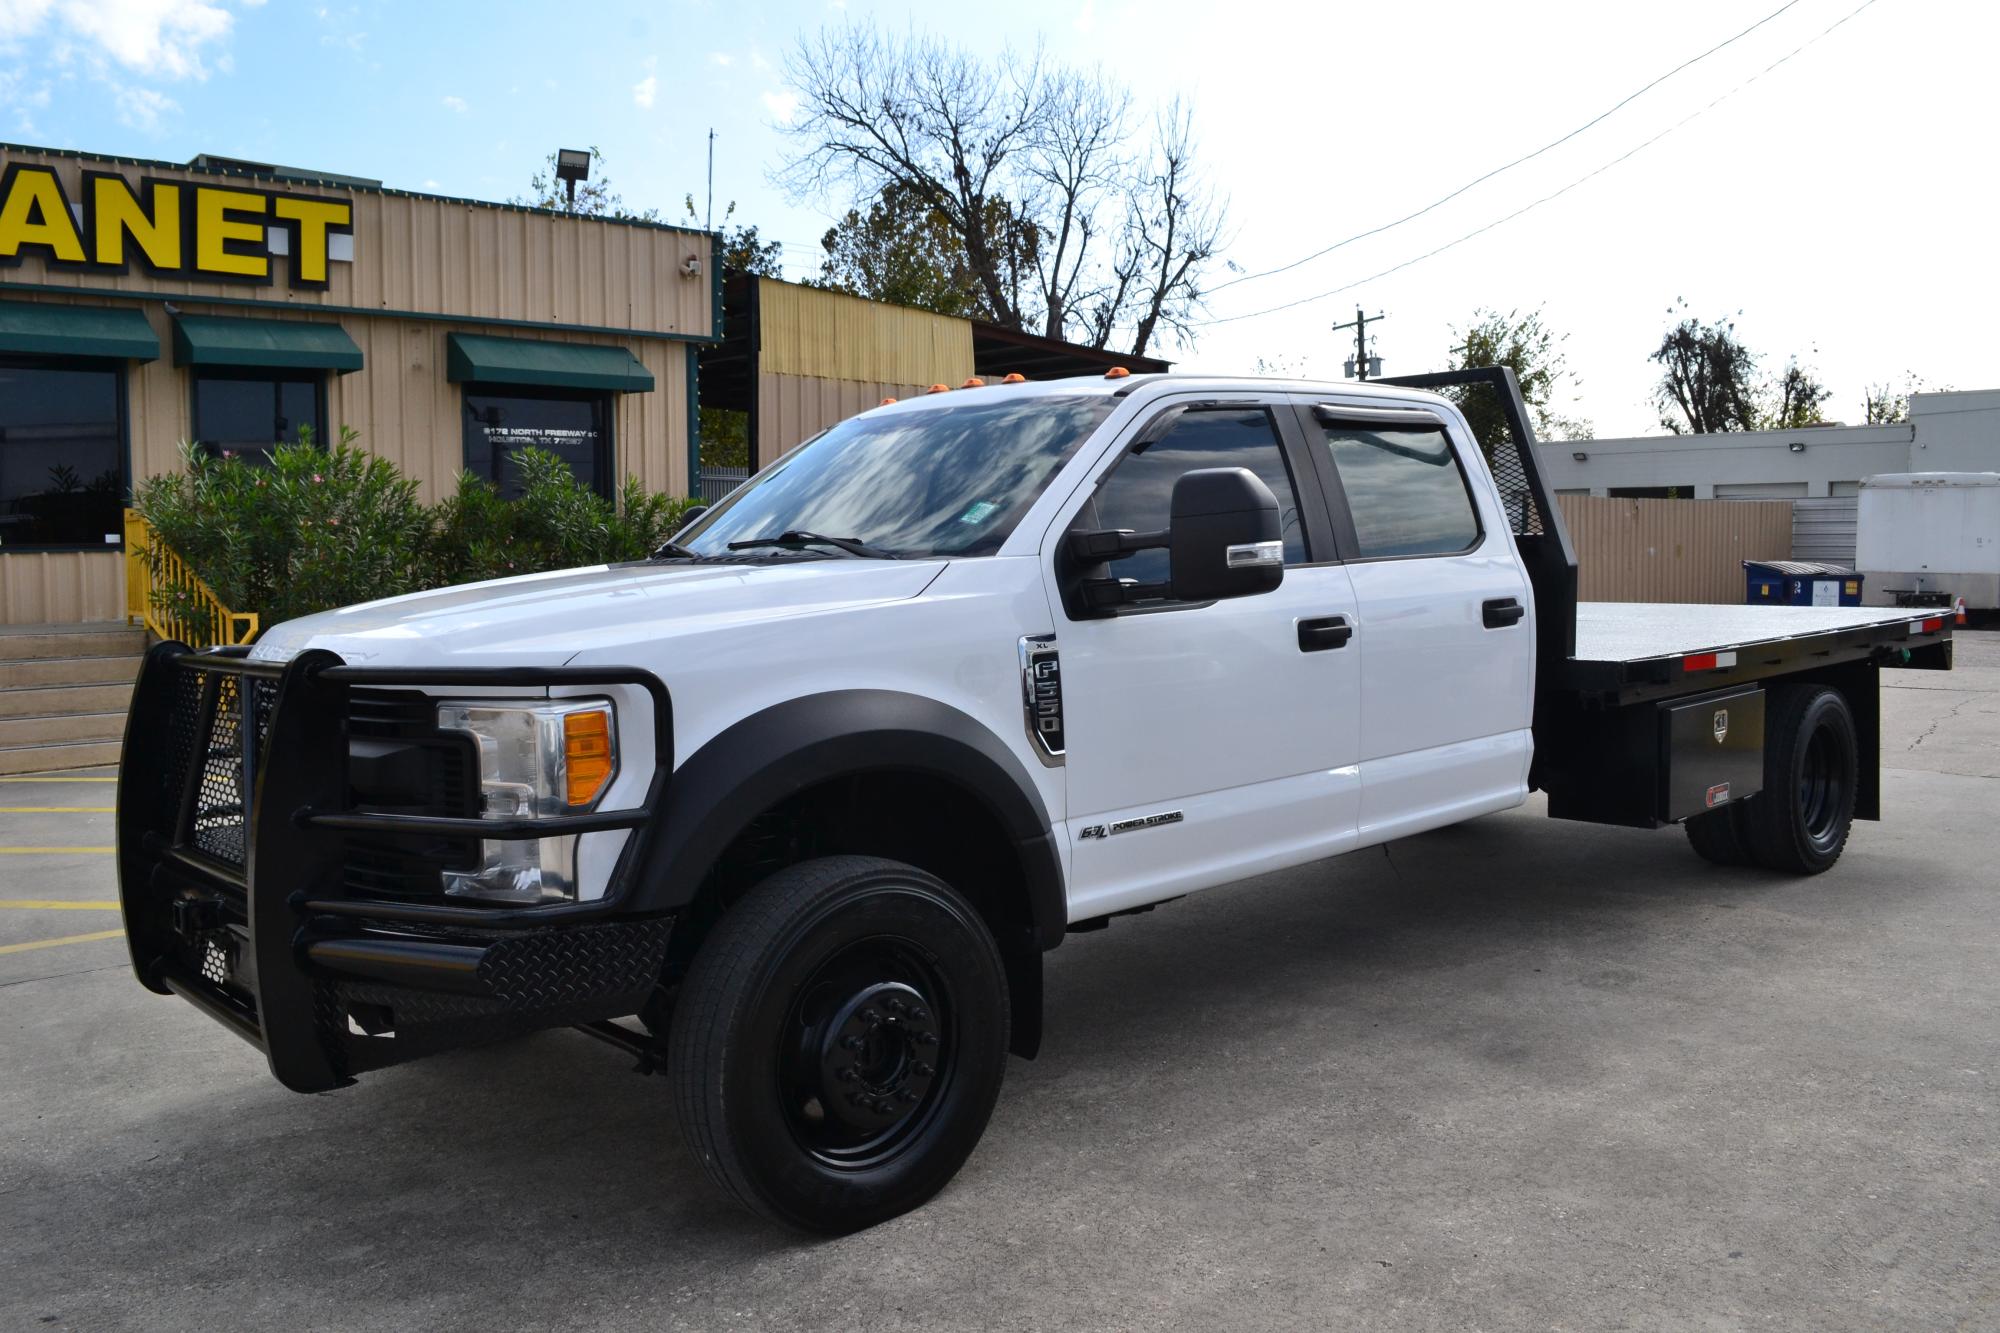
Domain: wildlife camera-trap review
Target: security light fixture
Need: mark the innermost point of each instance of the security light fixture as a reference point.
(572, 165)
(1580, 456)
(1797, 446)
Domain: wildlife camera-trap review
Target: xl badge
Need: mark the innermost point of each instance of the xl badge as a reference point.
(1721, 724)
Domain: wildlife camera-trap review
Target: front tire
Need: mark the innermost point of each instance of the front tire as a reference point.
(1799, 823)
(839, 1042)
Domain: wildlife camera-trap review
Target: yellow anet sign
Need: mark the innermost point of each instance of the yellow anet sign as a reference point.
(171, 228)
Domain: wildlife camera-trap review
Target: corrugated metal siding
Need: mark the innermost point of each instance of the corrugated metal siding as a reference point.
(62, 587)
(806, 331)
(794, 408)
(1671, 550)
(1824, 529)
(453, 259)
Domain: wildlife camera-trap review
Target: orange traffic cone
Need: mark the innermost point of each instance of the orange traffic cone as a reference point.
(1959, 617)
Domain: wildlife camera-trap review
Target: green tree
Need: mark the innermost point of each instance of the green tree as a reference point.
(1794, 399)
(595, 197)
(1885, 404)
(1707, 377)
(1534, 352)
(743, 250)
(905, 251)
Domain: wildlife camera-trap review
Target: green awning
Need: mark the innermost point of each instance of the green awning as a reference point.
(33, 328)
(472, 358)
(272, 344)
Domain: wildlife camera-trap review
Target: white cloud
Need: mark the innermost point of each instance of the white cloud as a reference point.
(722, 58)
(453, 104)
(758, 61)
(781, 105)
(430, 184)
(1086, 18)
(643, 92)
(141, 108)
(161, 38)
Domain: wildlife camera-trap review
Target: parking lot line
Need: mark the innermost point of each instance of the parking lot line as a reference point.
(56, 905)
(51, 851)
(64, 939)
(35, 777)
(58, 809)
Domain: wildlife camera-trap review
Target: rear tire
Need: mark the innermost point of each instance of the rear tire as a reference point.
(1718, 836)
(1799, 823)
(839, 1042)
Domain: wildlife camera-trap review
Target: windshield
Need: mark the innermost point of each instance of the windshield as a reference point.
(948, 480)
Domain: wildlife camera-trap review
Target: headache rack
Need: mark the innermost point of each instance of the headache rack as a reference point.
(255, 885)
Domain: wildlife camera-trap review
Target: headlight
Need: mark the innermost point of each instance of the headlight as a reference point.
(535, 760)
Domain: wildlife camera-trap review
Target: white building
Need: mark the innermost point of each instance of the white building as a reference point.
(1821, 466)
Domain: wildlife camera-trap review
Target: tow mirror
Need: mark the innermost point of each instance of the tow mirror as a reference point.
(1225, 539)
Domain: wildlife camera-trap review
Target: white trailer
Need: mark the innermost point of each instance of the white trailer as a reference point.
(1930, 538)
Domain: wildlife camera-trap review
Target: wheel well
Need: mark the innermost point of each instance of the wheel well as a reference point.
(916, 817)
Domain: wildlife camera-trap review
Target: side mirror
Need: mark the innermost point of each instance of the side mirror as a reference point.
(1226, 539)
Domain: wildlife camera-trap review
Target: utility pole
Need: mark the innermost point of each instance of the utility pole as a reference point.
(1360, 366)
(708, 222)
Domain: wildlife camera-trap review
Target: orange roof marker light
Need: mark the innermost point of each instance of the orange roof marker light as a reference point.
(1015, 377)
(1116, 373)
(939, 388)
(973, 382)
(885, 402)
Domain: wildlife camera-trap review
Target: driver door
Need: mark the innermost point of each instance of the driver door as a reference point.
(1206, 741)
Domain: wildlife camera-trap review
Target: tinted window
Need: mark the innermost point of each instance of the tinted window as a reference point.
(1405, 491)
(572, 426)
(251, 412)
(62, 454)
(1139, 492)
(950, 479)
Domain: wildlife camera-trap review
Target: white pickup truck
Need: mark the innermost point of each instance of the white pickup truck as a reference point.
(810, 792)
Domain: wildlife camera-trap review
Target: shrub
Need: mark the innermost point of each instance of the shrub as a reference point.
(316, 529)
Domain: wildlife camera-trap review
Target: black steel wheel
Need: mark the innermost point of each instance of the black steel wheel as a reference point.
(1800, 821)
(839, 1042)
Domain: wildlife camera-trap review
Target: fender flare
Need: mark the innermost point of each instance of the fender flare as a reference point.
(761, 759)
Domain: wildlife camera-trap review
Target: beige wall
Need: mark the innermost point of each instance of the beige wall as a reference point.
(793, 408)
(441, 256)
(1672, 550)
(62, 587)
(829, 335)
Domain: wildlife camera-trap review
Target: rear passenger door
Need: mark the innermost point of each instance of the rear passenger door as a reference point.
(1444, 616)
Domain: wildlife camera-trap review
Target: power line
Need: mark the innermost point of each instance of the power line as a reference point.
(1547, 198)
(1526, 157)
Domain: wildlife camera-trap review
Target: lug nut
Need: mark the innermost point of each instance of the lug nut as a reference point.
(852, 1043)
(922, 1070)
(845, 1075)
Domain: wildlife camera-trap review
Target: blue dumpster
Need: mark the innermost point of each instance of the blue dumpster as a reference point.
(1800, 583)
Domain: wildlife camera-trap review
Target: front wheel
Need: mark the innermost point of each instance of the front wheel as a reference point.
(839, 1042)
(1800, 821)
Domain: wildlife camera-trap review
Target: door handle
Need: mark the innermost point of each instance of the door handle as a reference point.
(1324, 632)
(1501, 612)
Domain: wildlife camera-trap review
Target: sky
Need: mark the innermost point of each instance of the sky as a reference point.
(1838, 207)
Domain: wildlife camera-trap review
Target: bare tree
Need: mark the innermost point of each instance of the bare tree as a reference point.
(1062, 226)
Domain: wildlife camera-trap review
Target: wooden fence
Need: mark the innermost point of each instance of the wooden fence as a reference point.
(1672, 550)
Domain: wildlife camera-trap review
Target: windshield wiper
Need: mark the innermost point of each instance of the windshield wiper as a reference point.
(794, 537)
(673, 551)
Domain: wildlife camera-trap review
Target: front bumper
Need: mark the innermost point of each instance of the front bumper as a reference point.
(235, 813)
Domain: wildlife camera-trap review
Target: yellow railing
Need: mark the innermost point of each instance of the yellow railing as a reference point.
(162, 591)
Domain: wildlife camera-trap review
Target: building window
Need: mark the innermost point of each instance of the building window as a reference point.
(575, 427)
(62, 453)
(249, 411)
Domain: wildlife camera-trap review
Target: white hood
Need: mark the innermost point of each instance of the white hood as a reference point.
(546, 619)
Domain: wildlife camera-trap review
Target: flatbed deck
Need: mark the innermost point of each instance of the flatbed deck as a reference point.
(1627, 651)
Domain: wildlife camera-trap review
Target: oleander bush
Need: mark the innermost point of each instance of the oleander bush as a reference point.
(315, 528)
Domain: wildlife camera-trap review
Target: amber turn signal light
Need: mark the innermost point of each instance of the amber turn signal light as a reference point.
(1116, 373)
(586, 755)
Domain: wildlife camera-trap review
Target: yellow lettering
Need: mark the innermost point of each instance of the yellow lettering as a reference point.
(214, 228)
(313, 218)
(33, 213)
(116, 213)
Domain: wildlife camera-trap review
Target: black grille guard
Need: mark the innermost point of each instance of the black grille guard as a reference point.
(313, 948)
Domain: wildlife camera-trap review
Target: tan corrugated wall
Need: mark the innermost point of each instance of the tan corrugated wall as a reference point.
(61, 587)
(829, 335)
(793, 408)
(463, 260)
(1672, 550)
